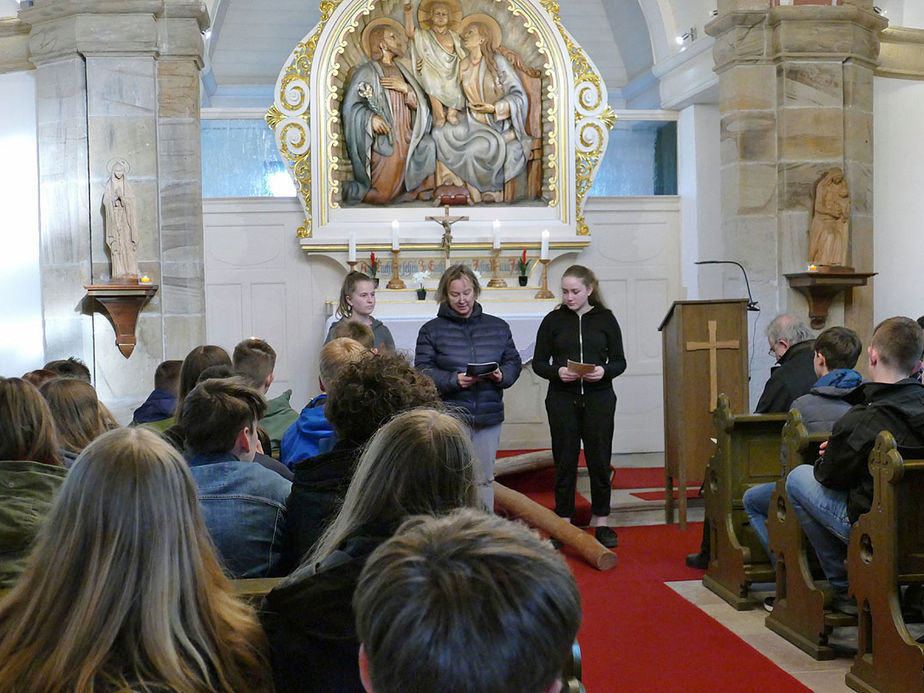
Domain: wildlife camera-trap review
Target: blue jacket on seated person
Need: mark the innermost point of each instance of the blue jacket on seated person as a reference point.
(244, 508)
(310, 435)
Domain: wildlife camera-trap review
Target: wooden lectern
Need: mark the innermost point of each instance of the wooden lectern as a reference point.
(705, 352)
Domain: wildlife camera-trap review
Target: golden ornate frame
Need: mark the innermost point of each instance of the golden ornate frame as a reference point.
(290, 115)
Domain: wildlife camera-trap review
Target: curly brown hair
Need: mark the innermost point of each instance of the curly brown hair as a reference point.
(368, 392)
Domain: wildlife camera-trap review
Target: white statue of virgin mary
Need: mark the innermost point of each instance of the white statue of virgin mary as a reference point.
(120, 224)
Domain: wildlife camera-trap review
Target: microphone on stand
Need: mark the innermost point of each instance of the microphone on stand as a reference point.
(752, 304)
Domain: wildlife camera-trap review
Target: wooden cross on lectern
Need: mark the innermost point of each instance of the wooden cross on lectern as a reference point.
(713, 346)
(446, 222)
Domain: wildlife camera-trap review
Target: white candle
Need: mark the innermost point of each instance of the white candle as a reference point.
(544, 255)
(395, 245)
(496, 234)
(351, 256)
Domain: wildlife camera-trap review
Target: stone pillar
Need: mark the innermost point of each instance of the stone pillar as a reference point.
(795, 95)
(119, 80)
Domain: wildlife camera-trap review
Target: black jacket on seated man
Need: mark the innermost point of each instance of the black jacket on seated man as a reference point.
(792, 377)
(894, 407)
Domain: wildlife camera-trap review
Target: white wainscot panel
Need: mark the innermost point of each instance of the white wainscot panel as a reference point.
(639, 415)
(268, 303)
(651, 301)
(246, 246)
(224, 314)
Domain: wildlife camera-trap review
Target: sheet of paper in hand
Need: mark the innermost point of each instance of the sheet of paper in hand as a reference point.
(580, 368)
(480, 370)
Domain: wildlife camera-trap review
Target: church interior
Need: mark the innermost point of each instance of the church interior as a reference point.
(717, 124)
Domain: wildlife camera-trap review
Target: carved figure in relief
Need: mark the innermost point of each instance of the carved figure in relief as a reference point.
(828, 233)
(436, 51)
(489, 145)
(386, 123)
(120, 223)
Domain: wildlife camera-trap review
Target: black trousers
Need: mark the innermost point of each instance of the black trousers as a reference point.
(574, 418)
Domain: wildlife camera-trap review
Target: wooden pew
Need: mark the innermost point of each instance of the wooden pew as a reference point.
(886, 551)
(799, 610)
(747, 453)
(252, 590)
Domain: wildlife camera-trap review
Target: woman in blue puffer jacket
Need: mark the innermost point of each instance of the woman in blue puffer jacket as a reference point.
(462, 334)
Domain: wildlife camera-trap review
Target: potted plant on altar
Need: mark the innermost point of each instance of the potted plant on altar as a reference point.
(419, 278)
(523, 267)
(373, 270)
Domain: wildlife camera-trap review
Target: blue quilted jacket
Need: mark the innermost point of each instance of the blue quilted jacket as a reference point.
(449, 342)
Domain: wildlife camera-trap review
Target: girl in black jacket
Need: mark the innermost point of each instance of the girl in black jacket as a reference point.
(580, 402)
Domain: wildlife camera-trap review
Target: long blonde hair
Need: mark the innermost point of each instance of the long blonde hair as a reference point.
(123, 588)
(79, 415)
(418, 463)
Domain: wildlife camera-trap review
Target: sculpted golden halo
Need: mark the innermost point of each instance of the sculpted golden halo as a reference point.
(489, 21)
(375, 24)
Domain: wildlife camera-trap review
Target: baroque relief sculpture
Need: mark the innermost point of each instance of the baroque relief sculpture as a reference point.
(120, 223)
(829, 230)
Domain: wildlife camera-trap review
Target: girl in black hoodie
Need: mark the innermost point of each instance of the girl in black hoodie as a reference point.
(581, 407)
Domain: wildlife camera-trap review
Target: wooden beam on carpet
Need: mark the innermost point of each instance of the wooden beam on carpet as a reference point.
(527, 462)
(542, 518)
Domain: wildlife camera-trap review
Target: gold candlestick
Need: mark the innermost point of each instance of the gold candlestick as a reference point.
(544, 287)
(352, 264)
(395, 282)
(495, 283)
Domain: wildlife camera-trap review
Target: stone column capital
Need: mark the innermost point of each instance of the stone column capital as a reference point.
(902, 54)
(14, 45)
(824, 32)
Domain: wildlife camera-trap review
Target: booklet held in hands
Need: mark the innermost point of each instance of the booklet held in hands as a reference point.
(581, 369)
(481, 370)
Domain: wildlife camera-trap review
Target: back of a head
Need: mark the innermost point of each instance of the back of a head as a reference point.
(840, 346)
(39, 376)
(27, 430)
(167, 376)
(254, 360)
(196, 361)
(216, 411)
(469, 603)
(336, 354)
(418, 462)
(76, 410)
(71, 367)
(788, 328)
(125, 549)
(899, 342)
(370, 390)
(356, 331)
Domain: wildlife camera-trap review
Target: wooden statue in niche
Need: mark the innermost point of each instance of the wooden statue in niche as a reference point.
(829, 230)
(442, 106)
(120, 223)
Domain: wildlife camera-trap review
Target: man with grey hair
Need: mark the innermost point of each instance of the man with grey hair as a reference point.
(792, 344)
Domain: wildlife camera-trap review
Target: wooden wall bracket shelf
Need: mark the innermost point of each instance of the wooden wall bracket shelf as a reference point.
(822, 285)
(122, 303)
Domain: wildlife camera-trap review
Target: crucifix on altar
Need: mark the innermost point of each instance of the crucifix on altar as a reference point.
(446, 221)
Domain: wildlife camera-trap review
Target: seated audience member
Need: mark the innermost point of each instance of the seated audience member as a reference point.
(364, 395)
(312, 433)
(37, 377)
(195, 362)
(161, 403)
(71, 367)
(30, 472)
(836, 352)
(918, 373)
(80, 418)
(420, 462)
(254, 361)
(123, 591)
(791, 344)
(829, 497)
(354, 330)
(467, 603)
(243, 503)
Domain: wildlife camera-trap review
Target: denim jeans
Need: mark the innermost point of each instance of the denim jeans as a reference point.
(757, 505)
(822, 513)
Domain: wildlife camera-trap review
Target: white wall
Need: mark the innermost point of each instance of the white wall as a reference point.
(21, 348)
(898, 111)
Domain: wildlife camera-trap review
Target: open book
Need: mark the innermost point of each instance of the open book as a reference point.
(480, 370)
(580, 368)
